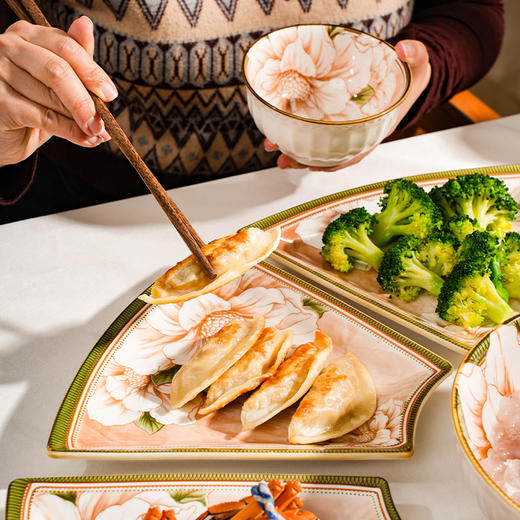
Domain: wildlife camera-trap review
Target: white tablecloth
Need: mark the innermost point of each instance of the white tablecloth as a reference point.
(65, 277)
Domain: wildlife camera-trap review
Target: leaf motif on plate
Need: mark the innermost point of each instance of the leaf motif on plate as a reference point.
(165, 376)
(363, 96)
(334, 30)
(70, 496)
(147, 423)
(315, 306)
(189, 495)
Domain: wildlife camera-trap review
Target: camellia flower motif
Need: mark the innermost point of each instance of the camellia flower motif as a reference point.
(122, 396)
(490, 402)
(323, 74)
(113, 505)
(383, 429)
(136, 379)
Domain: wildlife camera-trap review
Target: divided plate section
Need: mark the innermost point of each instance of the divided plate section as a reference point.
(300, 245)
(118, 405)
(124, 496)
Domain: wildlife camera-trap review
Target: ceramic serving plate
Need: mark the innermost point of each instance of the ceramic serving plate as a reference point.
(118, 405)
(299, 249)
(485, 413)
(131, 496)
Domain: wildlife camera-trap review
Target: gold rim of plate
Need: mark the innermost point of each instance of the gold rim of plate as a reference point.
(57, 443)
(388, 310)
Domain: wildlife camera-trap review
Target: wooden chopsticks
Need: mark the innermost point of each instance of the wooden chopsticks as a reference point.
(28, 10)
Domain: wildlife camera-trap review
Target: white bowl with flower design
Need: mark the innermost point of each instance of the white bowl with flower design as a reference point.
(324, 94)
(486, 416)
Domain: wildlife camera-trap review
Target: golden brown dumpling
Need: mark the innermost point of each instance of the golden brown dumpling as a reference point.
(341, 398)
(257, 364)
(290, 382)
(220, 352)
(230, 257)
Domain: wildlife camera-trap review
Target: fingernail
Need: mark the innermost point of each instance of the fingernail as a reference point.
(94, 140)
(408, 50)
(95, 126)
(86, 18)
(109, 91)
(105, 136)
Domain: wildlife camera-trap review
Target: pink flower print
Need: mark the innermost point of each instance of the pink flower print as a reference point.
(291, 69)
(121, 396)
(112, 505)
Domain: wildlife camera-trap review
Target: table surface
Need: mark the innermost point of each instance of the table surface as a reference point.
(65, 277)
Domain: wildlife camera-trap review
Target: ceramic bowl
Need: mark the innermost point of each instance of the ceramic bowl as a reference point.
(324, 94)
(485, 411)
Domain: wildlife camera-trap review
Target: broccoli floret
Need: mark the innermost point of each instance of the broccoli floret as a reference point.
(485, 248)
(469, 297)
(484, 198)
(402, 274)
(439, 253)
(511, 267)
(346, 240)
(406, 210)
(461, 226)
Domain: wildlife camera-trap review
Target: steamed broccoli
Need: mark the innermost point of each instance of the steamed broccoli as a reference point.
(406, 210)
(469, 297)
(346, 240)
(439, 253)
(478, 196)
(485, 248)
(461, 226)
(402, 274)
(511, 267)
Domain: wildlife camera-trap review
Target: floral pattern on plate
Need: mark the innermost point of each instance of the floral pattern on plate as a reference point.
(489, 396)
(130, 497)
(300, 245)
(118, 405)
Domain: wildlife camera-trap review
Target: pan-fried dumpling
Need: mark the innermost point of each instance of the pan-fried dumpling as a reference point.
(257, 364)
(290, 382)
(230, 257)
(220, 352)
(342, 398)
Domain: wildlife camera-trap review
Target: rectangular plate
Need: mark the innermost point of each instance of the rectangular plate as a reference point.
(130, 496)
(300, 245)
(118, 405)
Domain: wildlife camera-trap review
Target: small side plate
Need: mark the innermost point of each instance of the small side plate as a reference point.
(131, 496)
(118, 405)
(300, 245)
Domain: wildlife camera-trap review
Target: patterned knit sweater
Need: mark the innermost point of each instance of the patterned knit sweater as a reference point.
(176, 64)
(177, 67)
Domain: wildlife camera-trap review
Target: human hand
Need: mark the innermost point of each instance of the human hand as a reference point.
(415, 54)
(44, 77)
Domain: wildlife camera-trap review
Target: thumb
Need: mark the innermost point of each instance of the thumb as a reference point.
(82, 30)
(413, 52)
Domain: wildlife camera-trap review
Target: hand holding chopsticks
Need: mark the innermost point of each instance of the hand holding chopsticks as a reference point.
(29, 11)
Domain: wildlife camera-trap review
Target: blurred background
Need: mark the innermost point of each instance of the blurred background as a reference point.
(500, 89)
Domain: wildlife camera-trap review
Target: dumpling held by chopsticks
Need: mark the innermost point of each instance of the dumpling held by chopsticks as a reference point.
(230, 257)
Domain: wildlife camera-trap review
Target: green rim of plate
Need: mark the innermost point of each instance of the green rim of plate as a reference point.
(277, 218)
(63, 421)
(17, 488)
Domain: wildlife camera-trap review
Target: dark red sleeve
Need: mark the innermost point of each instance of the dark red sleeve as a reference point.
(463, 38)
(6, 16)
(16, 179)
